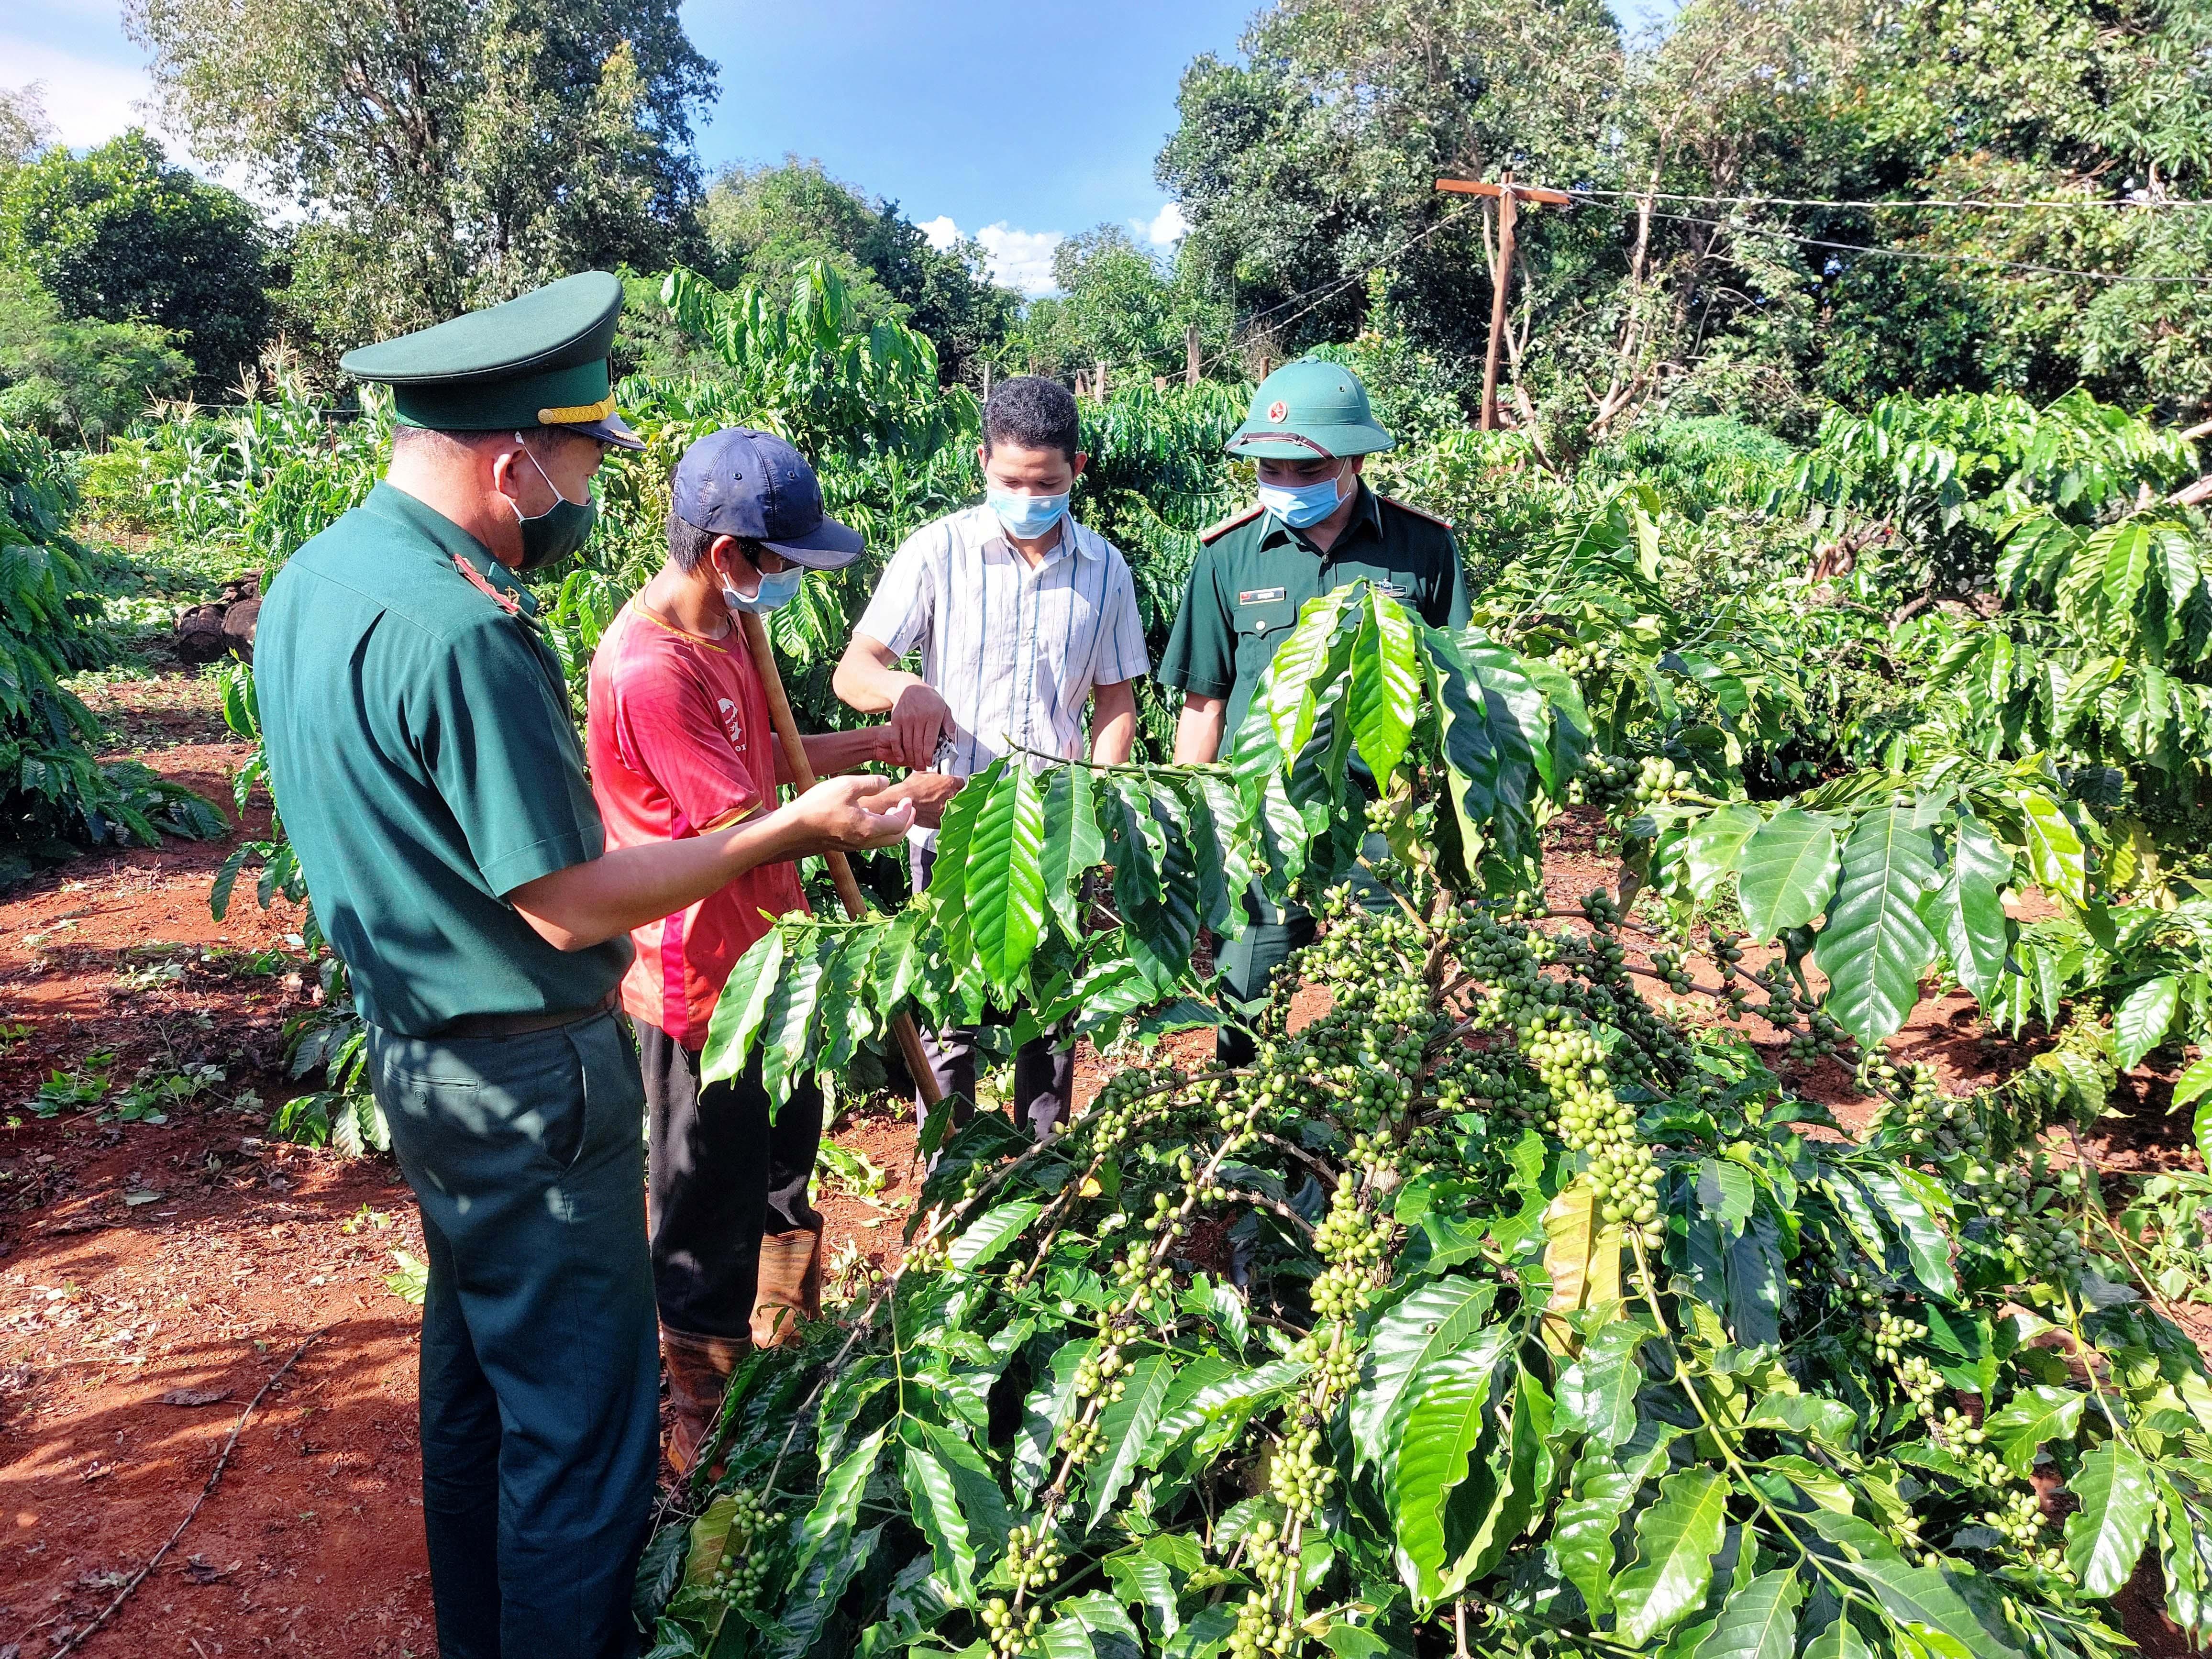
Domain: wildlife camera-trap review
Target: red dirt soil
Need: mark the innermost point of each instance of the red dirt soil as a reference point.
(153, 1277)
(143, 1264)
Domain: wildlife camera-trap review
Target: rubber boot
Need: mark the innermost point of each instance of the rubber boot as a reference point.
(699, 1369)
(789, 1293)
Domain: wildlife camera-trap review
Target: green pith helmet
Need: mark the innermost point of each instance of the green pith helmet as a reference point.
(538, 359)
(1309, 408)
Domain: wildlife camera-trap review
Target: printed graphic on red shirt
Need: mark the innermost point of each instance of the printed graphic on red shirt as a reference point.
(669, 717)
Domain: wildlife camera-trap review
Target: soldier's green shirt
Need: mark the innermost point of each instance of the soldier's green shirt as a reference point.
(424, 763)
(1251, 577)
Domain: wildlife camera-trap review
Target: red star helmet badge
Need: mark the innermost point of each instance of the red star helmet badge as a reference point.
(505, 602)
(1277, 410)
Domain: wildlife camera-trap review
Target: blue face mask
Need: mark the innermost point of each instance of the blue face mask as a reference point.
(1026, 517)
(775, 590)
(1304, 506)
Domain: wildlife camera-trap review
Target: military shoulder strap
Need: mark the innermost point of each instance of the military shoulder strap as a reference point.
(1418, 512)
(1215, 531)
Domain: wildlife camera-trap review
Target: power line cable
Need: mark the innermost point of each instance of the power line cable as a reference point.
(1321, 294)
(1945, 259)
(1943, 203)
(1326, 292)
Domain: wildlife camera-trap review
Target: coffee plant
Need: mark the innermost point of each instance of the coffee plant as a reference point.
(54, 795)
(1944, 478)
(1490, 1310)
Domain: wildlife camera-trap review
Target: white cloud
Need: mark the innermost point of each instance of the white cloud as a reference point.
(87, 100)
(1166, 227)
(1020, 259)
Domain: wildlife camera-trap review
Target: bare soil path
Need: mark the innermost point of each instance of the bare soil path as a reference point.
(154, 1276)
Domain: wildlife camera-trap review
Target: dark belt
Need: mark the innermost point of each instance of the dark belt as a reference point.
(508, 1025)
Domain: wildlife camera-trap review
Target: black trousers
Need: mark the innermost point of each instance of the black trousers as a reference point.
(719, 1175)
(541, 1376)
(1044, 1073)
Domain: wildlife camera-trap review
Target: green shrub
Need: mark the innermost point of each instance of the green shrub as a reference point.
(52, 792)
(63, 377)
(1491, 1309)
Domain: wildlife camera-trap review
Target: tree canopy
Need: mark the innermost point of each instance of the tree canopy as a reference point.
(68, 378)
(1713, 261)
(1778, 206)
(1118, 305)
(448, 154)
(121, 235)
(25, 128)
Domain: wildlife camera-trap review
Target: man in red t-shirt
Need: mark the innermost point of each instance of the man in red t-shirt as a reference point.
(681, 743)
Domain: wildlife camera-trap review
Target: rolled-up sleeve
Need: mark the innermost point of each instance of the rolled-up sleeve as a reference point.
(901, 609)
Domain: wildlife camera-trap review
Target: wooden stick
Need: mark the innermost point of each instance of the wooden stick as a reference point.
(1503, 279)
(1522, 192)
(841, 868)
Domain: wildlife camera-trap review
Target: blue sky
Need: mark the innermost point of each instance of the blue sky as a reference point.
(1019, 120)
(1015, 121)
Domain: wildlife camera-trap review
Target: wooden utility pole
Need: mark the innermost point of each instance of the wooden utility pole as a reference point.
(1099, 384)
(1190, 355)
(1508, 194)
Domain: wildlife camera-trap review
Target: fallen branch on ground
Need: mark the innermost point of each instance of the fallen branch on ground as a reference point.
(215, 1475)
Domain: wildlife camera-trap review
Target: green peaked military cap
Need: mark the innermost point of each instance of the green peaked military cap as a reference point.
(1309, 408)
(541, 359)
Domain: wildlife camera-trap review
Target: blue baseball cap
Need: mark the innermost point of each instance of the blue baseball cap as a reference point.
(738, 482)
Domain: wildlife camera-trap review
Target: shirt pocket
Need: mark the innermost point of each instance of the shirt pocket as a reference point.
(1262, 625)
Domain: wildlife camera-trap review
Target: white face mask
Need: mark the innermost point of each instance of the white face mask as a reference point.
(772, 593)
(1024, 515)
(1303, 506)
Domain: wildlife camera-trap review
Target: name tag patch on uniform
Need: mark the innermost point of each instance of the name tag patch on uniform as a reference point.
(1260, 595)
(1392, 590)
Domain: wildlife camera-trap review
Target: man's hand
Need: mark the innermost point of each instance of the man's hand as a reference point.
(919, 718)
(577, 908)
(835, 816)
(928, 791)
(868, 678)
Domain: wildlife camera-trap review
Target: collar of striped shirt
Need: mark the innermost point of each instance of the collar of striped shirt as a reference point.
(979, 527)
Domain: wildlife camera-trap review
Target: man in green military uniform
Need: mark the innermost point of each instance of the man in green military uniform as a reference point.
(422, 753)
(1316, 527)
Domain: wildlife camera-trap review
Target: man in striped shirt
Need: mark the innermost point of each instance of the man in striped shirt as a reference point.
(1024, 620)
